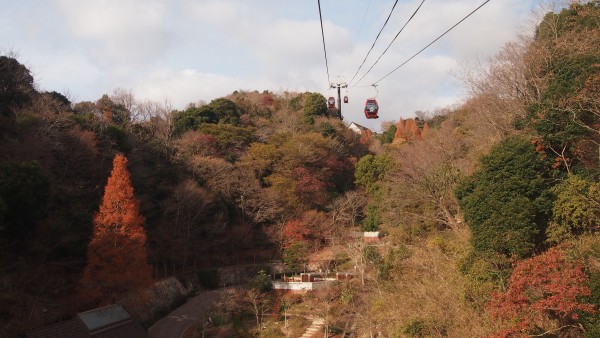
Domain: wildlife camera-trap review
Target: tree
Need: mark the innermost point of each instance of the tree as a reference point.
(314, 105)
(191, 118)
(389, 131)
(370, 172)
(190, 209)
(563, 66)
(307, 169)
(16, 86)
(543, 295)
(508, 202)
(225, 110)
(113, 112)
(348, 208)
(372, 169)
(116, 258)
(576, 209)
(294, 231)
(295, 257)
(258, 303)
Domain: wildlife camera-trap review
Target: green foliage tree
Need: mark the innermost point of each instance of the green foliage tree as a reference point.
(190, 118)
(591, 321)
(576, 209)
(295, 257)
(371, 169)
(508, 202)
(225, 111)
(221, 111)
(314, 105)
(262, 281)
(388, 135)
(369, 173)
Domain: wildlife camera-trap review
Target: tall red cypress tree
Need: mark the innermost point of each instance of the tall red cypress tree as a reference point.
(116, 255)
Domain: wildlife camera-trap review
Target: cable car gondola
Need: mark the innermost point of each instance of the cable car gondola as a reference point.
(371, 109)
(346, 99)
(331, 102)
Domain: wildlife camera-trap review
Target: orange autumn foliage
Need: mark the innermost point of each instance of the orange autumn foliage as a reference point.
(407, 130)
(116, 255)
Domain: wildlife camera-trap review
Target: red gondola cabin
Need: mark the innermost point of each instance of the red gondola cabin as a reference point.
(371, 109)
(331, 102)
(345, 99)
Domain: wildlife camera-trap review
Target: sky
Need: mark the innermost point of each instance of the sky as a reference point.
(188, 51)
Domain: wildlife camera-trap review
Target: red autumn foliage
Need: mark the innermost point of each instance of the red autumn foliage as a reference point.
(294, 231)
(267, 100)
(307, 182)
(310, 230)
(116, 255)
(543, 291)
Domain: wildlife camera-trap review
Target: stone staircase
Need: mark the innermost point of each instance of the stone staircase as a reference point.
(315, 329)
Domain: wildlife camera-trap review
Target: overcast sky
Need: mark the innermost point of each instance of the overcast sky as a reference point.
(193, 50)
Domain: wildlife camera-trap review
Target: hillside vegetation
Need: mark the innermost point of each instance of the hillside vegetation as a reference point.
(489, 210)
(215, 182)
(492, 218)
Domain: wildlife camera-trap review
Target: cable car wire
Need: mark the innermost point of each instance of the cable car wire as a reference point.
(323, 35)
(394, 39)
(432, 42)
(361, 24)
(369, 52)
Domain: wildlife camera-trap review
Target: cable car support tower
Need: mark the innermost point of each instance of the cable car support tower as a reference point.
(339, 85)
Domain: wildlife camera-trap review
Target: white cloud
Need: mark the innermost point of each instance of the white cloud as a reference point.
(118, 31)
(189, 86)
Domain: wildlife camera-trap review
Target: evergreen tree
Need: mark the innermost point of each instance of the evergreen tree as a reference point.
(116, 257)
(508, 202)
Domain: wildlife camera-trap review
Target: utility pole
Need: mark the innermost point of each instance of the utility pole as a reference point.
(339, 85)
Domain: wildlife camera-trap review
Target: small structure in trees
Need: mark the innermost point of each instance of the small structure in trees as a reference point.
(357, 128)
(308, 281)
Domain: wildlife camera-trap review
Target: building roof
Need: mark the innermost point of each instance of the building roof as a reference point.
(357, 127)
(99, 318)
(108, 322)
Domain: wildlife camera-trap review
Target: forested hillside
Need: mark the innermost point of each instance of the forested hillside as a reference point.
(489, 210)
(492, 218)
(215, 182)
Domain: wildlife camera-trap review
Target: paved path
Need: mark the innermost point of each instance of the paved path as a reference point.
(315, 328)
(176, 322)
